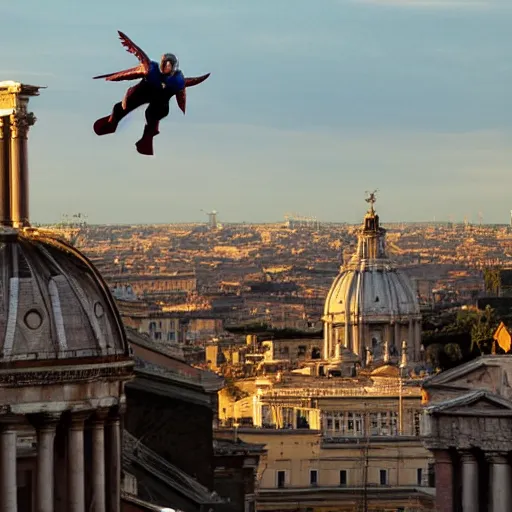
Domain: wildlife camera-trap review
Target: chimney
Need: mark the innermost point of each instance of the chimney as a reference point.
(15, 121)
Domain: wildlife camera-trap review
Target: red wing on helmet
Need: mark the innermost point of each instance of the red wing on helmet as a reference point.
(132, 48)
(127, 74)
(190, 82)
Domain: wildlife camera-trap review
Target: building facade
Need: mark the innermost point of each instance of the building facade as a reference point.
(466, 425)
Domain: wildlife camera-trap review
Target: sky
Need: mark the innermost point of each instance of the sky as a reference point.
(309, 105)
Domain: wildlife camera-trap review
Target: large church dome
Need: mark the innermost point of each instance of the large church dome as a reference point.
(371, 302)
(53, 302)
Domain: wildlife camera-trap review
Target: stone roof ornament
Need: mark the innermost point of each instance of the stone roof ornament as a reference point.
(386, 352)
(371, 199)
(404, 359)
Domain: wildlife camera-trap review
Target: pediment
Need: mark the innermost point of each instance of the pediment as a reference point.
(477, 401)
(481, 378)
(491, 373)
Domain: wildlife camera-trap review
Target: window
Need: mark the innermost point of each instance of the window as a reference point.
(419, 476)
(281, 479)
(417, 423)
(383, 423)
(171, 336)
(343, 477)
(431, 475)
(313, 477)
(158, 335)
(383, 477)
(336, 423)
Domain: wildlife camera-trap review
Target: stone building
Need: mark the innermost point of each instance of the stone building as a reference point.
(466, 424)
(349, 440)
(64, 357)
(235, 475)
(371, 303)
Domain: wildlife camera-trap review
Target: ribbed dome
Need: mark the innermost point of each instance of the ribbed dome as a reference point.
(371, 303)
(377, 291)
(370, 285)
(53, 302)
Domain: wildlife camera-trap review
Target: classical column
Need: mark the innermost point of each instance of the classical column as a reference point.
(501, 479)
(98, 462)
(410, 340)
(396, 341)
(417, 338)
(8, 489)
(20, 122)
(5, 194)
(76, 476)
(113, 460)
(325, 354)
(470, 502)
(444, 481)
(45, 427)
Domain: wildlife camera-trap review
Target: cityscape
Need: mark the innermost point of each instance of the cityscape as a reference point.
(282, 281)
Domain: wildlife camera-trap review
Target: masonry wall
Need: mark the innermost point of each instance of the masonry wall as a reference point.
(233, 481)
(178, 431)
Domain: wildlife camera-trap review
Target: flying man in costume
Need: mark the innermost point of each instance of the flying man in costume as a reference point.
(159, 83)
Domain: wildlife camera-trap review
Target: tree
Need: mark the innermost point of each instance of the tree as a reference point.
(482, 331)
(492, 280)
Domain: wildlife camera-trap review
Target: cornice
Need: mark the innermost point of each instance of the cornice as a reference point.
(118, 371)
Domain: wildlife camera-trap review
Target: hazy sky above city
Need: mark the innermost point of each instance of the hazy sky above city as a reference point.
(310, 103)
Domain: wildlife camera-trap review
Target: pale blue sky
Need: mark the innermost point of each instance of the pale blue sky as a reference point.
(310, 103)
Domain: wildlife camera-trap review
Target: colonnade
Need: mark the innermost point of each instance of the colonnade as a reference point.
(468, 471)
(62, 481)
(357, 337)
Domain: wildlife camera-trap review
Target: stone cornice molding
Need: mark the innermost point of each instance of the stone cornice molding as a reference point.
(121, 371)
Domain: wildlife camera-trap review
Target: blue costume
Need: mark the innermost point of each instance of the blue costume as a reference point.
(160, 82)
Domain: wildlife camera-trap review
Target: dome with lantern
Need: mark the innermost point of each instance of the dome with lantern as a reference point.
(372, 304)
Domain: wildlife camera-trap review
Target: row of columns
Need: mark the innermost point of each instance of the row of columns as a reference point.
(357, 337)
(499, 485)
(54, 472)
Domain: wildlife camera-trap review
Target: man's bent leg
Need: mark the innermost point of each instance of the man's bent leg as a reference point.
(154, 113)
(135, 97)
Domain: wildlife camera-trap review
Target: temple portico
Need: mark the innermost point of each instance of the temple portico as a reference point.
(60, 483)
(467, 425)
(477, 480)
(75, 463)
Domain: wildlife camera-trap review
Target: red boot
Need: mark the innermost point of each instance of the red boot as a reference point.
(105, 125)
(145, 144)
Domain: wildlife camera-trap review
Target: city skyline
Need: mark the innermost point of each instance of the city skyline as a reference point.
(307, 107)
